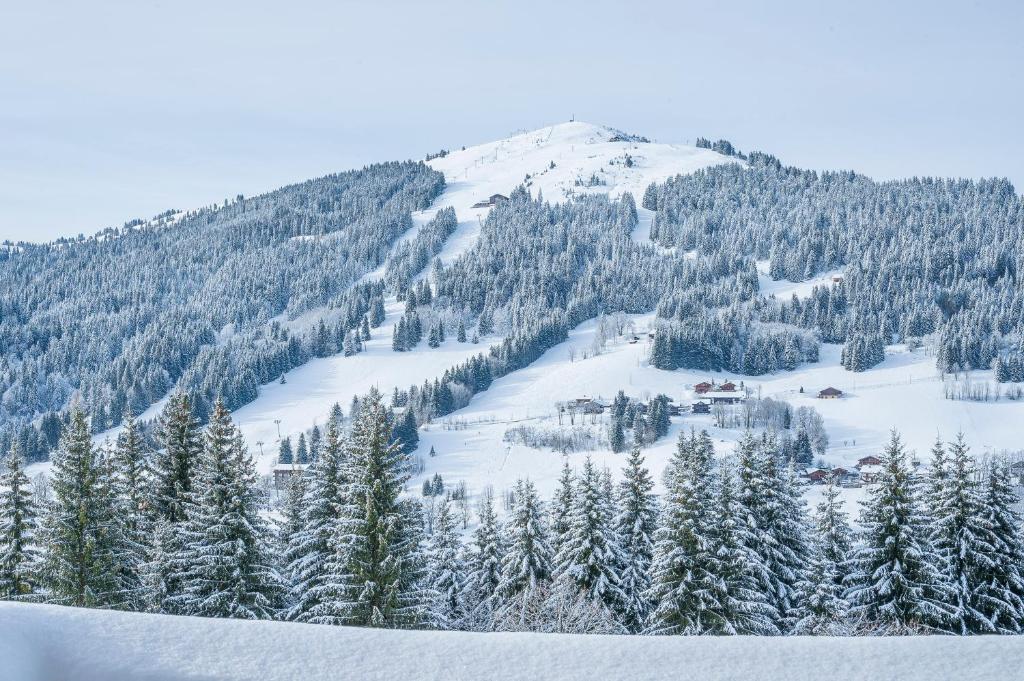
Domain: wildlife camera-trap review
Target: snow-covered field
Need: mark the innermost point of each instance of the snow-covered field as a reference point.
(904, 392)
(50, 643)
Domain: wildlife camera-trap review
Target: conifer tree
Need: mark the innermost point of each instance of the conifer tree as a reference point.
(18, 552)
(687, 589)
(379, 556)
(773, 510)
(745, 609)
(962, 540)
(129, 482)
(823, 609)
(616, 435)
(896, 582)
(1000, 591)
(484, 567)
(527, 565)
(561, 507)
(309, 556)
(635, 526)
(227, 567)
(291, 522)
(285, 454)
(175, 460)
(446, 576)
(588, 560)
(157, 572)
(78, 531)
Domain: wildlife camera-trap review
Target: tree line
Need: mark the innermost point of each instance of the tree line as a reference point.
(728, 548)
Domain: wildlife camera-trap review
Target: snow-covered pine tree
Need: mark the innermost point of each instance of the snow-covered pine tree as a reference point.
(290, 523)
(635, 526)
(379, 560)
(823, 608)
(527, 564)
(962, 540)
(77, 568)
(896, 582)
(18, 552)
(127, 552)
(130, 481)
(174, 462)
(687, 588)
(589, 559)
(744, 608)
(1000, 592)
(561, 506)
(776, 524)
(285, 454)
(446, 575)
(157, 572)
(310, 552)
(484, 567)
(227, 566)
(616, 435)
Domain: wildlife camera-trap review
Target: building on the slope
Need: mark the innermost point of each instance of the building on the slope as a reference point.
(492, 200)
(700, 407)
(869, 461)
(830, 393)
(727, 387)
(703, 387)
(283, 473)
(869, 473)
(724, 397)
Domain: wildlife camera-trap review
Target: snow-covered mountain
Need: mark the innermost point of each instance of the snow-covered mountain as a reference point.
(472, 445)
(557, 162)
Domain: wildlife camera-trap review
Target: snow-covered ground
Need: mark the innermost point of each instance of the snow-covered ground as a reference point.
(904, 392)
(50, 643)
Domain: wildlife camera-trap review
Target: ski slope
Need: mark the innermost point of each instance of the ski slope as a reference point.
(51, 643)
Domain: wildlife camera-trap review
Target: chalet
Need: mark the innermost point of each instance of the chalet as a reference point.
(283, 473)
(588, 405)
(674, 409)
(869, 473)
(830, 393)
(724, 397)
(818, 476)
(702, 388)
(700, 408)
(492, 200)
(868, 461)
(727, 387)
(837, 279)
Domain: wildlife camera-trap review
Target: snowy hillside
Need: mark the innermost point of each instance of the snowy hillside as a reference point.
(50, 643)
(904, 392)
(578, 151)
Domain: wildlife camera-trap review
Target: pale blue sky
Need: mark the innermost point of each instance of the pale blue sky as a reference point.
(112, 110)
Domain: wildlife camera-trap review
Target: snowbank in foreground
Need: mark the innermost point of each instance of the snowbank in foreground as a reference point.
(49, 643)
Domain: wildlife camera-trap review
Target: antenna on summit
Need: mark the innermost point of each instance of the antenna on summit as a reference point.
(572, 118)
